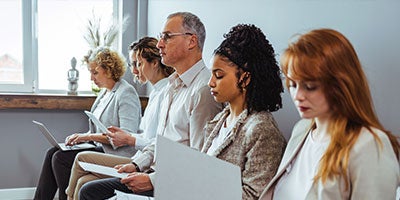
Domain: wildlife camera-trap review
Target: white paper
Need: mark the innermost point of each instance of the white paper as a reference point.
(101, 126)
(213, 178)
(97, 122)
(102, 170)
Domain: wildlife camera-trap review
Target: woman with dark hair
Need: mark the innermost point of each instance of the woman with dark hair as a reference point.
(146, 66)
(339, 150)
(245, 75)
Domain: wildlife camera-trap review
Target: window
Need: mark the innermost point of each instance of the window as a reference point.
(61, 25)
(40, 40)
(11, 48)
(40, 37)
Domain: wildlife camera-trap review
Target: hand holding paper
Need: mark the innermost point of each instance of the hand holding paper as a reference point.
(121, 138)
(138, 182)
(97, 122)
(101, 126)
(102, 169)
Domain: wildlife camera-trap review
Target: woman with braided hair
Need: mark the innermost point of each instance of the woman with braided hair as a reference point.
(245, 75)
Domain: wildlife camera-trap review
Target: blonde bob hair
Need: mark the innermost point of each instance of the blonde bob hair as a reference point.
(111, 61)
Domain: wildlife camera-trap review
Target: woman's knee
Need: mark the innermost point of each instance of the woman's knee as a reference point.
(85, 155)
(64, 158)
(57, 157)
(50, 152)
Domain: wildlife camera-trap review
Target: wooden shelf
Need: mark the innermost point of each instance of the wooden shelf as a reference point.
(51, 101)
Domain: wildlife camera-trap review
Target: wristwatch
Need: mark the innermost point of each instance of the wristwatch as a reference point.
(136, 167)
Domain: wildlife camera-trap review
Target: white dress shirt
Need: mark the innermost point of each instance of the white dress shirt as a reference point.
(149, 122)
(187, 106)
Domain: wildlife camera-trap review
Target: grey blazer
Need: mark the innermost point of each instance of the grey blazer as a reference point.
(122, 110)
(373, 172)
(255, 144)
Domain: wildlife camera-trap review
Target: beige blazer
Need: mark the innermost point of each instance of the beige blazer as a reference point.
(373, 170)
(255, 144)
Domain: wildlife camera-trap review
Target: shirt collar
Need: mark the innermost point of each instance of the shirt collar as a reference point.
(188, 76)
(160, 84)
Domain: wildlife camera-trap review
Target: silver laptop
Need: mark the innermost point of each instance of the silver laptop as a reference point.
(61, 146)
(184, 173)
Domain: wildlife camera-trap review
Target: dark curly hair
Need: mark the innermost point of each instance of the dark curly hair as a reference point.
(247, 47)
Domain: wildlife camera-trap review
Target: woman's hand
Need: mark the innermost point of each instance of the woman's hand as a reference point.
(120, 138)
(77, 138)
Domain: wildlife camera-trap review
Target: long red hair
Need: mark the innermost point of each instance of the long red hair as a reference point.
(327, 56)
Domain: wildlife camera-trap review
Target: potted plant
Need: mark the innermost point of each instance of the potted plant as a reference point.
(95, 37)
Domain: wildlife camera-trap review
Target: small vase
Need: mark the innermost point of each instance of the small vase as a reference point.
(95, 89)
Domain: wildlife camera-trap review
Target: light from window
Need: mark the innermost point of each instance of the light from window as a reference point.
(61, 24)
(11, 59)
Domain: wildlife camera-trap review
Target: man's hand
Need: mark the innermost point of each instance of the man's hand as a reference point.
(127, 168)
(138, 182)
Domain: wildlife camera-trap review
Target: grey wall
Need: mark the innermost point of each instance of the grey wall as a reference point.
(371, 25)
(136, 28)
(22, 146)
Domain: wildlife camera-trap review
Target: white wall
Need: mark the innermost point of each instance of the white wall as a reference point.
(372, 26)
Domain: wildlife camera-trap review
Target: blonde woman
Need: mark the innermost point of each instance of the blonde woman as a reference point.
(147, 67)
(117, 104)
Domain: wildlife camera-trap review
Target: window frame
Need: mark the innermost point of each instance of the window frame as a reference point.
(28, 44)
(30, 49)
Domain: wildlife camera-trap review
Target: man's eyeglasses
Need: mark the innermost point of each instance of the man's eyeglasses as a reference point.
(167, 36)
